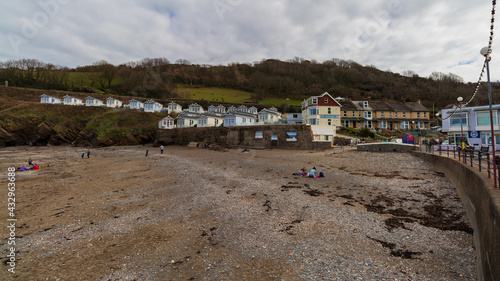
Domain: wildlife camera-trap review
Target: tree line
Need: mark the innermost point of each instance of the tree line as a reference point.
(295, 79)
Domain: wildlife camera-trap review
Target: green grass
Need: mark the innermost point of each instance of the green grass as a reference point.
(280, 101)
(214, 94)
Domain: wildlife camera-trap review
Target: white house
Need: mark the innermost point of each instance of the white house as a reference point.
(239, 119)
(135, 104)
(50, 99)
(152, 106)
(187, 119)
(253, 110)
(166, 123)
(112, 102)
(232, 108)
(174, 107)
(210, 120)
(242, 108)
(269, 116)
(196, 108)
(91, 101)
(69, 100)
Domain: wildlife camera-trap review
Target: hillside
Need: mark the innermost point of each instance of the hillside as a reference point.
(24, 121)
(268, 79)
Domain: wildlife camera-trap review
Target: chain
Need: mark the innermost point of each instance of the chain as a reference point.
(487, 57)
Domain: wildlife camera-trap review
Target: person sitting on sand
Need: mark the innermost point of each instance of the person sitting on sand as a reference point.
(302, 172)
(245, 150)
(312, 172)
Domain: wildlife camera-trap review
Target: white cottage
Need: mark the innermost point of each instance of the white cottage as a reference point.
(210, 120)
(253, 110)
(135, 104)
(196, 108)
(112, 102)
(69, 100)
(152, 106)
(49, 99)
(166, 123)
(269, 116)
(239, 119)
(242, 108)
(174, 107)
(91, 101)
(187, 119)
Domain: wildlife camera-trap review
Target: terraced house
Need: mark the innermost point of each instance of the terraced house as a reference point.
(384, 115)
(323, 114)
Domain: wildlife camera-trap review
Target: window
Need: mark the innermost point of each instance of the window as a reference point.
(404, 114)
(368, 114)
(312, 121)
(345, 123)
(329, 110)
(483, 118)
(359, 114)
(295, 116)
(382, 114)
(486, 138)
(382, 124)
(455, 120)
(419, 125)
(329, 122)
(315, 101)
(313, 111)
(345, 113)
(418, 114)
(368, 124)
(405, 125)
(326, 100)
(390, 114)
(396, 114)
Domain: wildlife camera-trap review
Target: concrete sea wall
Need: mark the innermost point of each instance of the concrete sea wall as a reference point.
(483, 207)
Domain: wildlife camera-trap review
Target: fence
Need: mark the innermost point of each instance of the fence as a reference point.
(481, 159)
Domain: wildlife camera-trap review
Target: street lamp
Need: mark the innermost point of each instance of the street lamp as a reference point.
(460, 99)
(486, 52)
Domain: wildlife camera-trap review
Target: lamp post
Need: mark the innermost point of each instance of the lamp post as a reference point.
(486, 52)
(460, 99)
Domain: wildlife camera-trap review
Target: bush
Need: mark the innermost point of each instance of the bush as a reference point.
(366, 133)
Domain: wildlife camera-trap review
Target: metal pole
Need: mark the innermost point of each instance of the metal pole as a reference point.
(462, 131)
(491, 122)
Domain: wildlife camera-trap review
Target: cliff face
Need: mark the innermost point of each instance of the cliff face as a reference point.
(47, 124)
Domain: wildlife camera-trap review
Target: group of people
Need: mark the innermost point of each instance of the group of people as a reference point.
(312, 173)
(88, 154)
(31, 166)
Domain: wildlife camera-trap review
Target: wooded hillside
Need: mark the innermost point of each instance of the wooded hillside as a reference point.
(293, 79)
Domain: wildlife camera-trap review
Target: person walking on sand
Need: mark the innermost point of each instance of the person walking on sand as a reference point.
(88, 153)
(161, 149)
(147, 151)
(83, 154)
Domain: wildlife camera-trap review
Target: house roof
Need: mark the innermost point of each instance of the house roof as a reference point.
(416, 106)
(380, 106)
(244, 114)
(152, 101)
(348, 105)
(398, 106)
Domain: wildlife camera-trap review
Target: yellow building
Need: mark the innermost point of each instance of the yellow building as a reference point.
(323, 114)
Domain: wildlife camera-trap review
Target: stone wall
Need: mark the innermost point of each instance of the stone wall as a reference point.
(243, 137)
(483, 207)
(385, 147)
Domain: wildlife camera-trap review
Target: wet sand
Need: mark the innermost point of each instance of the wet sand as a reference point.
(197, 214)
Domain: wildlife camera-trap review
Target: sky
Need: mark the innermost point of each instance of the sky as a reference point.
(422, 36)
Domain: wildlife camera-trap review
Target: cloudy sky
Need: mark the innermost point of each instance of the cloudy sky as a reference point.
(423, 36)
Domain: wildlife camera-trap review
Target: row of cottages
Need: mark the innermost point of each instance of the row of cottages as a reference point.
(89, 101)
(385, 115)
(216, 116)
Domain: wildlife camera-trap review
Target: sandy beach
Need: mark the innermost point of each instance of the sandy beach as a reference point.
(199, 214)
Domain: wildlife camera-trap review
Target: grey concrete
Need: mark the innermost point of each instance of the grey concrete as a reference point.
(483, 207)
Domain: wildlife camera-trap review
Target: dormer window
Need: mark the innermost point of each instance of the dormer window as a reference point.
(326, 100)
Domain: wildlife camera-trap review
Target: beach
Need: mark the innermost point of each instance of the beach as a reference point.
(201, 214)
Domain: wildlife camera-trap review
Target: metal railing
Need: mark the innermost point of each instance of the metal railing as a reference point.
(483, 160)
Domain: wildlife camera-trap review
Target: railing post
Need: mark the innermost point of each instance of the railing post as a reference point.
(472, 158)
(488, 159)
(479, 159)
